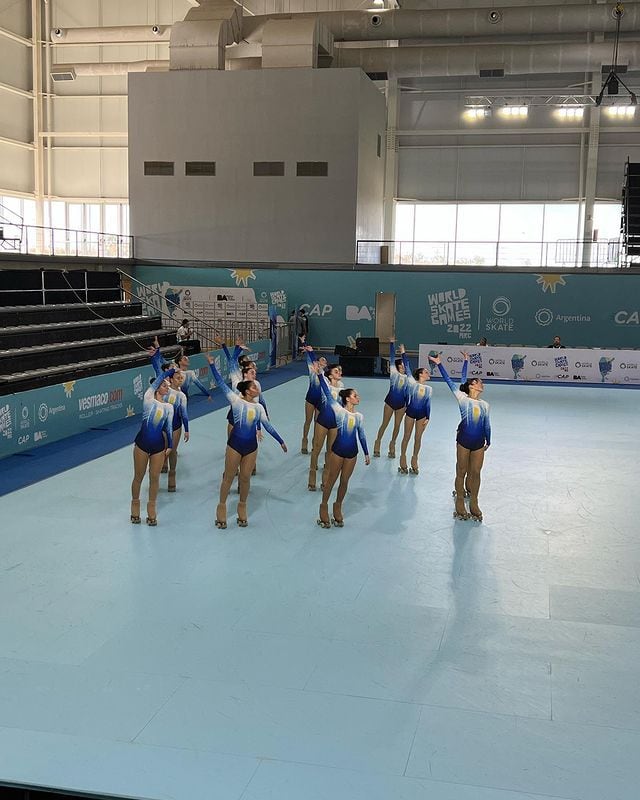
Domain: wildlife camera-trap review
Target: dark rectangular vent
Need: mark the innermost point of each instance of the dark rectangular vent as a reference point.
(620, 69)
(199, 167)
(491, 73)
(312, 169)
(158, 167)
(378, 76)
(268, 169)
(379, 146)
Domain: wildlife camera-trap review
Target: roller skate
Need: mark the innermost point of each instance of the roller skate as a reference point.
(403, 466)
(337, 518)
(152, 520)
(467, 494)
(304, 447)
(242, 515)
(221, 516)
(376, 449)
(311, 483)
(171, 484)
(413, 469)
(475, 513)
(460, 512)
(323, 518)
(135, 512)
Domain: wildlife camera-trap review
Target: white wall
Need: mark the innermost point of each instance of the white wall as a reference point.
(234, 119)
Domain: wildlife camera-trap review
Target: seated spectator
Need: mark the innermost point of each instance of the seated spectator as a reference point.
(556, 342)
(183, 334)
(483, 342)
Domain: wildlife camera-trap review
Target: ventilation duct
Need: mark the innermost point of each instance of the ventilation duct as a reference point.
(295, 43)
(115, 34)
(199, 41)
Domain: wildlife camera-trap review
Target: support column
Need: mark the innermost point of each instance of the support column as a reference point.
(36, 82)
(391, 159)
(591, 173)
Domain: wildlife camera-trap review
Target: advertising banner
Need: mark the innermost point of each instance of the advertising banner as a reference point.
(555, 365)
(40, 416)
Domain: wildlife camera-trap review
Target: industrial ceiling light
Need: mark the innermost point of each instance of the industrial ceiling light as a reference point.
(514, 112)
(613, 81)
(620, 112)
(570, 112)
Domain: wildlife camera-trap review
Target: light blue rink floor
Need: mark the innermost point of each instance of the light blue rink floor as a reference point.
(405, 656)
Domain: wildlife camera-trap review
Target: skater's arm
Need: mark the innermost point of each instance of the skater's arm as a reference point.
(465, 366)
(182, 400)
(444, 373)
(362, 437)
(487, 428)
(264, 421)
(231, 396)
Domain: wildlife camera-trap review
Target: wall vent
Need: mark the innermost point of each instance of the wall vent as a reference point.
(200, 168)
(268, 169)
(491, 73)
(158, 167)
(312, 169)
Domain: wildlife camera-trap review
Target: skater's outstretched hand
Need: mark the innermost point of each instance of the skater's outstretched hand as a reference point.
(464, 355)
(284, 447)
(367, 460)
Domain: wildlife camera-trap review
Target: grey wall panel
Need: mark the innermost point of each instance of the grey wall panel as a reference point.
(15, 64)
(16, 119)
(76, 173)
(370, 190)
(16, 17)
(427, 174)
(550, 173)
(16, 169)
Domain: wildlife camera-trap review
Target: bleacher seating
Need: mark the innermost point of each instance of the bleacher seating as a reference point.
(41, 345)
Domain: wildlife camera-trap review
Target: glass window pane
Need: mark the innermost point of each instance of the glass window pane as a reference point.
(435, 222)
(478, 222)
(75, 216)
(561, 248)
(521, 222)
(111, 218)
(58, 214)
(606, 220)
(29, 212)
(93, 217)
(404, 222)
(125, 219)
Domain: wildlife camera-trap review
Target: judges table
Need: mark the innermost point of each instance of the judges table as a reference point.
(545, 364)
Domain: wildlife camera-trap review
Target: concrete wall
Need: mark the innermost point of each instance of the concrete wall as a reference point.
(234, 119)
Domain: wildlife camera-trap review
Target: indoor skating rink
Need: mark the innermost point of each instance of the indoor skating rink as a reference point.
(405, 656)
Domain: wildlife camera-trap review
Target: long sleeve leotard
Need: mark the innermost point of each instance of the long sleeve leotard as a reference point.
(314, 392)
(155, 433)
(396, 396)
(175, 397)
(246, 417)
(235, 376)
(474, 430)
(418, 394)
(348, 423)
(326, 414)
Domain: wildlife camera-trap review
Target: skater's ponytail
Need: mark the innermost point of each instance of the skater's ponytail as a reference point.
(345, 394)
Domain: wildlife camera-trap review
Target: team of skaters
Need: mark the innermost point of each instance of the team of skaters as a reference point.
(338, 427)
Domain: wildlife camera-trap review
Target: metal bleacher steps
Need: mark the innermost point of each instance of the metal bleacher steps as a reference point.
(50, 344)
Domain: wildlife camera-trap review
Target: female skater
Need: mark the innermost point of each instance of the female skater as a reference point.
(325, 427)
(178, 400)
(181, 362)
(313, 398)
(473, 438)
(416, 415)
(152, 445)
(394, 402)
(242, 446)
(341, 459)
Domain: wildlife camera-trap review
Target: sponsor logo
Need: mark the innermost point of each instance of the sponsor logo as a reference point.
(627, 365)
(316, 310)
(38, 436)
(579, 377)
(624, 317)
(497, 361)
(517, 365)
(356, 313)
(540, 376)
(101, 399)
(476, 372)
(539, 363)
(278, 298)
(562, 377)
(544, 316)
(454, 360)
(475, 359)
(501, 306)
(138, 388)
(6, 423)
(450, 306)
(25, 422)
(583, 365)
(43, 412)
(573, 318)
(24, 438)
(561, 362)
(491, 374)
(604, 365)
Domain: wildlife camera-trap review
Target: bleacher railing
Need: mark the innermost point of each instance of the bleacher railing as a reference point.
(557, 254)
(36, 240)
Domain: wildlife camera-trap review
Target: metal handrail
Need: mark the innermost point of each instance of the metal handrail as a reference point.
(41, 240)
(205, 332)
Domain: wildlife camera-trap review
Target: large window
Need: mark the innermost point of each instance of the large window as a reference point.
(504, 234)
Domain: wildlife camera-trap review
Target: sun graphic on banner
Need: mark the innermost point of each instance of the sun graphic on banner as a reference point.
(130, 411)
(68, 387)
(242, 276)
(551, 281)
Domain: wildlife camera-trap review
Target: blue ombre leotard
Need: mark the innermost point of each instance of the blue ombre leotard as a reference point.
(474, 430)
(191, 379)
(314, 392)
(155, 433)
(175, 397)
(396, 396)
(418, 394)
(246, 417)
(326, 415)
(235, 376)
(348, 423)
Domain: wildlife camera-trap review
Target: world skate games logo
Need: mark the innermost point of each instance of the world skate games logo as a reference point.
(6, 422)
(449, 307)
(500, 321)
(562, 363)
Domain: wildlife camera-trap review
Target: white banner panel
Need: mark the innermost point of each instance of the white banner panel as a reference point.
(559, 365)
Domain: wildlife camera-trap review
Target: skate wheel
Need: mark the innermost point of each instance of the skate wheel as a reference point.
(242, 523)
(311, 488)
(221, 525)
(338, 523)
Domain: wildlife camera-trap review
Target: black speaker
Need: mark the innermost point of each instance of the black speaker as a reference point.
(368, 347)
(191, 347)
(344, 350)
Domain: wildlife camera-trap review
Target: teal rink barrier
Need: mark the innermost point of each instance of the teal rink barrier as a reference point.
(40, 416)
(526, 309)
